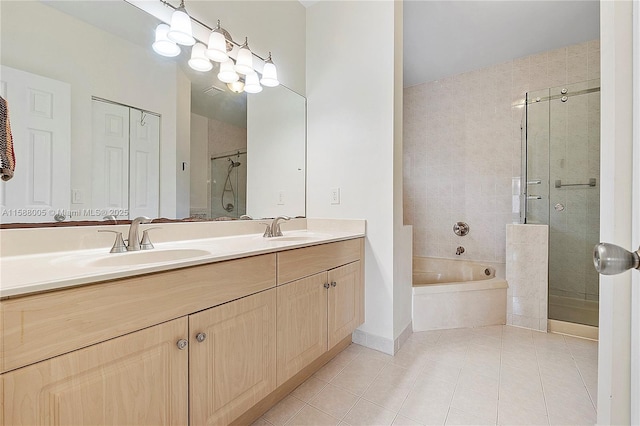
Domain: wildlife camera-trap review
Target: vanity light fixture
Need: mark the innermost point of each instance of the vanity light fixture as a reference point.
(244, 61)
(163, 46)
(269, 73)
(236, 86)
(181, 31)
(199, 61)
(252, 85)
(218, 49)
(227, 74)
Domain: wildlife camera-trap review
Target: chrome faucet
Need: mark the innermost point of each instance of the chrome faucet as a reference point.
(275, 226)
(273, 229)
(133, 244)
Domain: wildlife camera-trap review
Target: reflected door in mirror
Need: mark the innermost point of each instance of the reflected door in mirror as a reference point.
(125, 161)
(39, 112)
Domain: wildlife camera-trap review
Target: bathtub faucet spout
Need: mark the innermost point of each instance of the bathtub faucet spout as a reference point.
(459, 250)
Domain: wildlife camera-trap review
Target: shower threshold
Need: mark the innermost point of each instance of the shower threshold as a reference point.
(572, 329)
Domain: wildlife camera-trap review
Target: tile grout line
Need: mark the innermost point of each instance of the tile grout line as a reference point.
(499, 375)
(359, 396)
(544, 395)
(466, 354)
(584, 383)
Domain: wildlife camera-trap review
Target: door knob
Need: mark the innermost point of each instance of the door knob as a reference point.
(610, 259)
(200, 337)
(182, 343)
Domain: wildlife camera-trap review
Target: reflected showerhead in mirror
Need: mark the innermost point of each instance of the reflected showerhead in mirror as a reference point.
(610, 259)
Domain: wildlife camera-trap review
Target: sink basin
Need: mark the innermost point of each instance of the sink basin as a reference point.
(148, 256)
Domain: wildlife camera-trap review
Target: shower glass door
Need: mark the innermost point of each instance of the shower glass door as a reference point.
(574, 200)
(229, 185)
(563, 191)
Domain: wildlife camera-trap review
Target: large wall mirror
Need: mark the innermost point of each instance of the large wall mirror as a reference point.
(188, 147)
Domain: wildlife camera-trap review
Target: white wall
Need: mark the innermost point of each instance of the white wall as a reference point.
(350, 145)
(39, 39)
(402, 236)
(182, 180)
(199, 164)
(276, 153)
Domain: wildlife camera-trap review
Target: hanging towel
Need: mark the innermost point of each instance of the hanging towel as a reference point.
(7, 156)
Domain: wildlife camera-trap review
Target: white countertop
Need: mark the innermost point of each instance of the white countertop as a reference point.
(27, 273)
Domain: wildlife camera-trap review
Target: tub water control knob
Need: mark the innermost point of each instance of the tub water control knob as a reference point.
(461, 229)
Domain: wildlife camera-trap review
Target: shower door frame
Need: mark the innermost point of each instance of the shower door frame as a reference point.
(546, 145)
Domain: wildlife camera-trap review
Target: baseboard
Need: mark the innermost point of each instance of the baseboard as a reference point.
(382, 344)
(403, 337)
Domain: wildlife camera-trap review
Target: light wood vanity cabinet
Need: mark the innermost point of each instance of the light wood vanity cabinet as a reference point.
(317, 312)
(301, 324)
(211, 344)
(140, 378)
(232, 358)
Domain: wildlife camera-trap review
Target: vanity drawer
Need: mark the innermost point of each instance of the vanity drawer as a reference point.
(300, 263)
(44, 325)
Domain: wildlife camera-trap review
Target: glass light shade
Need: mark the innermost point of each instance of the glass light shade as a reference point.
(269, 75)
(244, 60)
(163, 46)
(181, 31)
(227, 74)
(198, 61)
(252, 85)
(217, 49)
(236, 86)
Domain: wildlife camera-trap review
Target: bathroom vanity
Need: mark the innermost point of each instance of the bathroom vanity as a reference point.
(215, 342)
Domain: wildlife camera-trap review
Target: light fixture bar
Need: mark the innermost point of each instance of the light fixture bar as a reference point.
(166, 3)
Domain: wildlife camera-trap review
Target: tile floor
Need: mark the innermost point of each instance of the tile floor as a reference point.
(482, 376)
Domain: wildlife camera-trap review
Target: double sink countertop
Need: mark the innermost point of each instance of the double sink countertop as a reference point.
(44, 259)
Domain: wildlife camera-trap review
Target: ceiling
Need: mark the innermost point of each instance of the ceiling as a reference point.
(443, 38)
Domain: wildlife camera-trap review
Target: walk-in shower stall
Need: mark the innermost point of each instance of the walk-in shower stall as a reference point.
(561, 186)
(229, 185)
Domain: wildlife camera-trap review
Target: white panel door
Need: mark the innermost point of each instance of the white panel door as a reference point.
(110, 182)
(635, 214)
(144, 164)
(39, 112)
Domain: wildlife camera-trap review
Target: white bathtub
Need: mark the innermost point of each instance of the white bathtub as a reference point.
(455, 293)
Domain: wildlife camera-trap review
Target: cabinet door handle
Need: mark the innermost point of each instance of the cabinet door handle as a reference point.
(200, 337)
(182, 343)
(333, 284)
(326, 285)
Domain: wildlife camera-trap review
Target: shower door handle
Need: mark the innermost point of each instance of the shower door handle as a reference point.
(610, 259)
(534, 197)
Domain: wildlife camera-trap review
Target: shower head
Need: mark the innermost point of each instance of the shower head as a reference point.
(232, 163)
